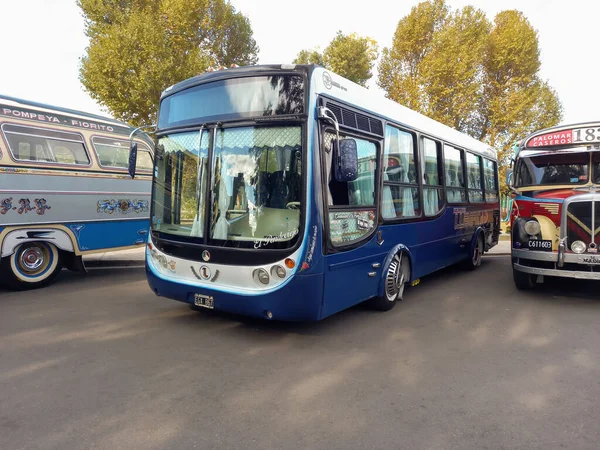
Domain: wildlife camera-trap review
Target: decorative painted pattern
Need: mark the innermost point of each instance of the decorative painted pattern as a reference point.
(5, 205)
(123, 206)
(40, 206)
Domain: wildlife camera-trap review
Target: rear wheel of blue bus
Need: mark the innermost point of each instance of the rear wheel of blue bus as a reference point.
(476, 253)
(396, 279)
(32, 265)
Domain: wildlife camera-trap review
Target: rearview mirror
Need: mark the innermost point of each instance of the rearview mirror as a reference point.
(346, 160)
(132, 160)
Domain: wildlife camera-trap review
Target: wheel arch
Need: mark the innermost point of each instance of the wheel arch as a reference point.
(60, 236)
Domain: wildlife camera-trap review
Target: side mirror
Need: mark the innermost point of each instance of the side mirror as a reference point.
(509, 175)
(132, 160)
(346, 160)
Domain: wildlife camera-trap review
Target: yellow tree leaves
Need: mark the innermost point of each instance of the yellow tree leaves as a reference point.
(138, 48)
(479, 77)
(350, 56)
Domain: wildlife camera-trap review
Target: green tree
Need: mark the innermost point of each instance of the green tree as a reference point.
(310, 57)
(479, 77)
(138, 48)
(350, 56)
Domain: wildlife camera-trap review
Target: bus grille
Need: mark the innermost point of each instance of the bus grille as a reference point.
(583, 222)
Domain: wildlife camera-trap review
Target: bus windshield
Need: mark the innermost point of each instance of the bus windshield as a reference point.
(254, 193)
(234, 99)
(555, 169)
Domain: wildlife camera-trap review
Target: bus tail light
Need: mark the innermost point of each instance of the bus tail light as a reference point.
(290, 263)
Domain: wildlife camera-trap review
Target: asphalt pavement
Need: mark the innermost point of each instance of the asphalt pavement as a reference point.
(465, 362)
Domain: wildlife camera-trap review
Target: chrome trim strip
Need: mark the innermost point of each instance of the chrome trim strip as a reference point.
(576, 258)
(558, 273)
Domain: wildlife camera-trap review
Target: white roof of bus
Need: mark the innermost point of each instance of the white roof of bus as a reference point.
(377, 104)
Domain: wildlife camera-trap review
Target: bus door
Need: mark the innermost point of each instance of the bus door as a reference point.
(354, 260)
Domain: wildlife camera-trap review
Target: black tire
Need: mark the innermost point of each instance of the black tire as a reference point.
(33, 265)
(523, 281)
(476, 255)
(396, 280)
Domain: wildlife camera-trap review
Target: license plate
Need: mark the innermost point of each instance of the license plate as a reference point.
(204, 301)
(590, 259)
(540, 244)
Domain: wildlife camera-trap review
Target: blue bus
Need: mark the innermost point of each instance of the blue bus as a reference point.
(290, 193)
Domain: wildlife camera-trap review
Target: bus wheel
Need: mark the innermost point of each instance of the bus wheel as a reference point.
(523, 281)
(32, 265)
(396, 279)
(477, 254)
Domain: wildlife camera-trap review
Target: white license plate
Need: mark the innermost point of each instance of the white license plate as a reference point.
(540, 244)
(204, 301)
(590, 259)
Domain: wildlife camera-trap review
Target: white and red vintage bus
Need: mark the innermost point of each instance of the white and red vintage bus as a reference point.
(555, 218)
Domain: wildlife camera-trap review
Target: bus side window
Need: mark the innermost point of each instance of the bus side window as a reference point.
(144, 160)
(400, 181)
(114, 153)
(360, 192)
(431, 165)
(454, 177)
(489, 174)
(45, 145)
(474, 172)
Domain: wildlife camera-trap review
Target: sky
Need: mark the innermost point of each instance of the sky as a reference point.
(43, 41)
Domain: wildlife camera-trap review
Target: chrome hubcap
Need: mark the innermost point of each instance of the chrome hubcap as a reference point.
(31, 259)
(396, 278)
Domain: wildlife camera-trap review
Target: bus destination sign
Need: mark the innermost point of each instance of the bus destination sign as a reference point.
(589, 135)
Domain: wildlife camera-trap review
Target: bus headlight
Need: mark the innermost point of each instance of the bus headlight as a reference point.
(578, 247)
(533, 228)
(262, 275)
(277, 271)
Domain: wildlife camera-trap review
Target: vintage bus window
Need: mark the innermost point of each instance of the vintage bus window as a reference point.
(474, 180)
(115, 153)
(43, 145)
(400, 180)
(454, 180)
(431, 163)
(596, 167)
(489, 177)
(552, 168)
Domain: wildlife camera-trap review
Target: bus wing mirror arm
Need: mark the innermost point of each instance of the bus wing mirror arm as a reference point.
(133, 149)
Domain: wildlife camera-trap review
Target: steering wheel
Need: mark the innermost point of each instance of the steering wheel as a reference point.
(293, 205)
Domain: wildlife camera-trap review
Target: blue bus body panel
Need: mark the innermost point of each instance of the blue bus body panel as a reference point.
(299, 300)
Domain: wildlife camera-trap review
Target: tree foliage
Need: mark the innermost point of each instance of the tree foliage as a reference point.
(474, 75)
(350, 56)
(138, 48)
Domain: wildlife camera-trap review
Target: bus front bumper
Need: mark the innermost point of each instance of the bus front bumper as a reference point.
(547, 263)
(298, 300)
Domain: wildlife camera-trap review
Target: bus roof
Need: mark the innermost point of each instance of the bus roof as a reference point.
(18, 102)
(354, 94)
(333, 85)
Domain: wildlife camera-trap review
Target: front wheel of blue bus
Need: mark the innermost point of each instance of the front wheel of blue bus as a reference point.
(396, 279)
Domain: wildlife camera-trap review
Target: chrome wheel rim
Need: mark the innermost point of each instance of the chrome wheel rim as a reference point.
(396, 278)
(478, 252)
(32, 259)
